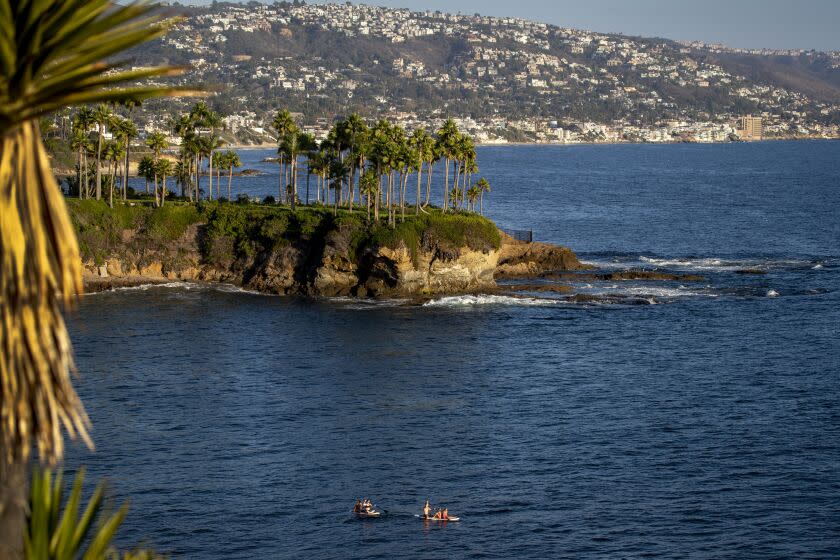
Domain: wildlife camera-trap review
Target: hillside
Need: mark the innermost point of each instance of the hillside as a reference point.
(505, 74)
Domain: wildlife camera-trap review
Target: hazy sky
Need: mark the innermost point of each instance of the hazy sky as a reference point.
(809, 24)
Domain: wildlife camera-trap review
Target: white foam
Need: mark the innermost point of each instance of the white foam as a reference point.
(144, 287)
(772, 293)
(227, 288)
(486, 299)
(713, 263)
(816, 267)
(662, 292)
(354, 303)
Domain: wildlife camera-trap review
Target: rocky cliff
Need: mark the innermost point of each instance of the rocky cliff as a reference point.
(314, 254)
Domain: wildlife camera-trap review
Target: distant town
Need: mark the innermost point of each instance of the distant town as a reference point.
(503, 79)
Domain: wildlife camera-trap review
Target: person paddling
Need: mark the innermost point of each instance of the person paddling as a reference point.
(357, 508)
(427, 509)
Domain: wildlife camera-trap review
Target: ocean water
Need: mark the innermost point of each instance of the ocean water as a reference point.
(664, 419)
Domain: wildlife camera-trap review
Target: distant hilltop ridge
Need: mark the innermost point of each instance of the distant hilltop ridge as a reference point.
(508, 79)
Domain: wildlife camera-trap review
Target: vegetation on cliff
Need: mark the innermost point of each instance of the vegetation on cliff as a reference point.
(233, 231)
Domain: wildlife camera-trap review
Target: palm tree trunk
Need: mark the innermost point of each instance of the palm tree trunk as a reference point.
(197, 177)
(481, 203)
(376, 200)
(79, 173)
(308, 177)
(403, 194)
(280, 184)
(157, 201)
(392, 214)
(125, 169)
(99, 165)
(85, 176)
(388, 196)
(445, 202)
(111, 185)
(230, 179)
(429, 183)
(293, 189)
(455, 185)
(419, 180)
(210, 185)
(14, 489)
(352, 186)
(163, 191)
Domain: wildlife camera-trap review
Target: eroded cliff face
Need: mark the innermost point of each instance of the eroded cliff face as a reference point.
(307, 268)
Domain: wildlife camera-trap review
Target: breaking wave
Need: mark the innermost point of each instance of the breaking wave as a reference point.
(713, 263)
(187, 286)
(482, 299)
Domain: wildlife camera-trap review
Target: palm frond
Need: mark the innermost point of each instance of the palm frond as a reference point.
(53, 54)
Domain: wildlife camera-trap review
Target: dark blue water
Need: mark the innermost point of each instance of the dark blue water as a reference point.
(666, 420)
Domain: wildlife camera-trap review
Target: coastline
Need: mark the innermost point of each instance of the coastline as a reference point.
(573, 144)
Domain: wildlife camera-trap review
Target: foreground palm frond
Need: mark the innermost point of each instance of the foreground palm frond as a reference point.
(59, 529)
(52, 55)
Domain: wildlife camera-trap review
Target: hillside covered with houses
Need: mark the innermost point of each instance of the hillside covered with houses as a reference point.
(505, 79)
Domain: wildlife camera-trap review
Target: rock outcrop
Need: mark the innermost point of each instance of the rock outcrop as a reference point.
(305, 268)
(518, 259)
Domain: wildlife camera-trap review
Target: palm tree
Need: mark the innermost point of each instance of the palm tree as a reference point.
(231, 160)
(447, 145)
(80, 143)
(146, 169)
(354, 132)
(157, 143)
(191, 146)
(318, 165)
(472, 196)
(381, 157)
(113, 152)
(483, 187)
(308, 147)
(290, 146)
(163, 168)
(369, 186)
(101, 116)
(81, 126)
(183, 172)
(283, 124)
(210, 119)
(418, 143)
(126, 130)
(53, 54)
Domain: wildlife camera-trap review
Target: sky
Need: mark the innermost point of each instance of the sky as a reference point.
(780, 24)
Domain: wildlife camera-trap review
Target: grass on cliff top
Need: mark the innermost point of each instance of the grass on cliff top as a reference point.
(243, 230)
(256, 227)
(100, 228)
